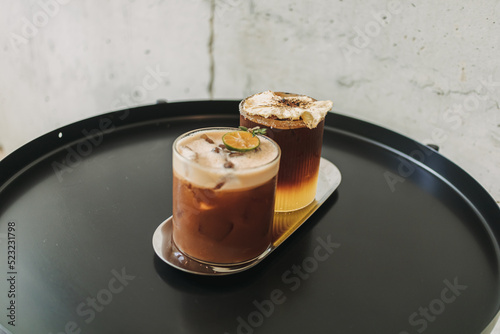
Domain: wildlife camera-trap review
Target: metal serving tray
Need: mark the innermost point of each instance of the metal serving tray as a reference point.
(284, 224)
(408, 242)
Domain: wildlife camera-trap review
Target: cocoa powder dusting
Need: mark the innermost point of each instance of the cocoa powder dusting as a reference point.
(294, 103)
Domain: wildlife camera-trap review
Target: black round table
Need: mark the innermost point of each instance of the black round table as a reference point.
(408, 243)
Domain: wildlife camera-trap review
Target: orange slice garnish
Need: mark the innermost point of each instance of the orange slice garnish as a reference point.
(240, 141)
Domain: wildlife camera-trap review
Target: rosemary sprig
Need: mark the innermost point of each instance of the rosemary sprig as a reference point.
(254, 131)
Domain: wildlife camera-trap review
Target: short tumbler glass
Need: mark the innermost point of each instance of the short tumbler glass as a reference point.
(223, 209)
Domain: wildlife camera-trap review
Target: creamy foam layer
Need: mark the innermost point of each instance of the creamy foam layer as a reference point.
(201, 158)
(287, 106)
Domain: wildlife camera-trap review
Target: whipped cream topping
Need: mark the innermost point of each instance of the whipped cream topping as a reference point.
(287, 106)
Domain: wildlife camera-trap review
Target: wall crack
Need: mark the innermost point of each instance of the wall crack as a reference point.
(211, 65)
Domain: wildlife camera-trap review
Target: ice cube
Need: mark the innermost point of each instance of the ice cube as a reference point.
(207, 138)
(217, 230)
(220, 184)
(188, 152)
(206, 198)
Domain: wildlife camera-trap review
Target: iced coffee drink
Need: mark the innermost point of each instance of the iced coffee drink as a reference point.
(223, 200)
(296, 123)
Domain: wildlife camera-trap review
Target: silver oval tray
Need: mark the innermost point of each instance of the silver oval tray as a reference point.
(284, 224)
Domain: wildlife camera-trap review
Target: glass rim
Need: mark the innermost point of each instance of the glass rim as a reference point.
(215, 128)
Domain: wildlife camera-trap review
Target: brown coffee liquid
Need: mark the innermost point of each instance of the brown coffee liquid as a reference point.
(222, 226)
(300, 158)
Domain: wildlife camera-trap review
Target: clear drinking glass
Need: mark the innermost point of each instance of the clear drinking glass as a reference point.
(300, 157)
(223, 201)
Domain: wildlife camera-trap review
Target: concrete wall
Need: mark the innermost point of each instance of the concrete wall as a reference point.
(428, 70)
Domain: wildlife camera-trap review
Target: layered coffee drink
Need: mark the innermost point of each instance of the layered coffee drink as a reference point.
(296, 123)
(223, 200)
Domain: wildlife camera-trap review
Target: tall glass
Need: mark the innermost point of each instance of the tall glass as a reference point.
(300, 157)
(223, 201)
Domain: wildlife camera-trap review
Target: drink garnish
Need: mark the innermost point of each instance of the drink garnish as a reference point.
(240, 141)
(254, 131)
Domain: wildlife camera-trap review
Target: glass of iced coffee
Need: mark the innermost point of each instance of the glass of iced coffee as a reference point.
(296, 123)
(223, 199)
